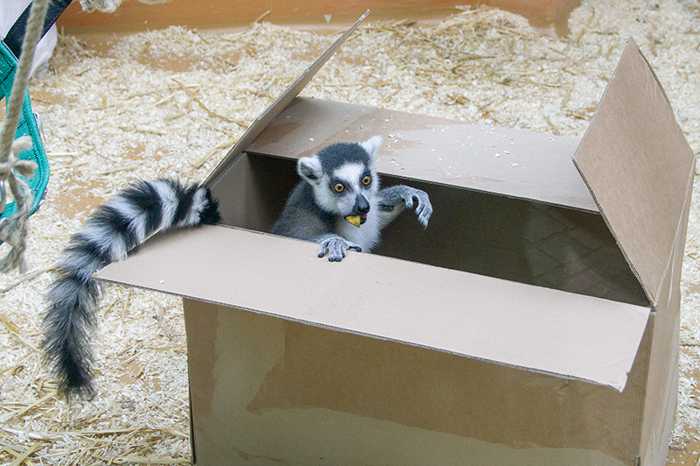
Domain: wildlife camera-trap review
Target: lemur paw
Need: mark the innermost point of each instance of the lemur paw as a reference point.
(335, 248)
(424, 208)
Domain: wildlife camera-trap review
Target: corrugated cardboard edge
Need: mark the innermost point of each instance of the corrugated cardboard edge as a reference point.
(651, 290)
(193, 451)
(282, 101)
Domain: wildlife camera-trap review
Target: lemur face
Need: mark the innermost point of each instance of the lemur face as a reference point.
(343, 177)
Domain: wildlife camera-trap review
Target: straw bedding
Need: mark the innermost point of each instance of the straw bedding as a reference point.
(172, 101)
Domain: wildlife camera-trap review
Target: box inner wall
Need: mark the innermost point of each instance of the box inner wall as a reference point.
(477, 232)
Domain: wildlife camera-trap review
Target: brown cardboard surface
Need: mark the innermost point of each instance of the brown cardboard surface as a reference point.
(637, 164)
(662, 383)
(266, 391)
(465, 314)
(282, 101)
(511, 162)
(472, 231)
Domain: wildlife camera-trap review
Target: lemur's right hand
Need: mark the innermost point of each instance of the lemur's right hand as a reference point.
(335, 247)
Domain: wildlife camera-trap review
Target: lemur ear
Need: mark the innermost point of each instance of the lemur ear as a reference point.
(371, 145)
(309, 168)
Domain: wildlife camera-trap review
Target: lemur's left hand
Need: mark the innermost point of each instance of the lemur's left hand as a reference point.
(408, 196)
(424, 208)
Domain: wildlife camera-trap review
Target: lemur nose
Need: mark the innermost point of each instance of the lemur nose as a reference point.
(361, 205)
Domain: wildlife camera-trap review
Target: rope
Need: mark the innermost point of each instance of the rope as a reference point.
(13, 230)
(104, 6)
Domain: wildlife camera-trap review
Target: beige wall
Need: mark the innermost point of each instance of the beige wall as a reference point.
(135, 15)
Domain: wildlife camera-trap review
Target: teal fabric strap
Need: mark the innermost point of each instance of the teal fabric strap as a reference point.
(27, 127)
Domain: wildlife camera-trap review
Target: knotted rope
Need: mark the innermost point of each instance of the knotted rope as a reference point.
(13, 230)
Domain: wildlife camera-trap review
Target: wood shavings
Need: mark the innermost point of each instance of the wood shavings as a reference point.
(30, 435)
(21, 457)
(23, 411)
(210, 112)
(553, 128)
(24, 278)
(199, 163)
(262, 16)
(482, 65)
(118, 169)
(151, 460)
(133, 129)
(13, 330)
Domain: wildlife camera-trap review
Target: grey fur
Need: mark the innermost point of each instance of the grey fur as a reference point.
(111, 231)
(302, 218)
(392, 199)
(335, 247)
(332, 157)
(314, 212)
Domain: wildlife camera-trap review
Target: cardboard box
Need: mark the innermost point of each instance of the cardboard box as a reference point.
(534, 323)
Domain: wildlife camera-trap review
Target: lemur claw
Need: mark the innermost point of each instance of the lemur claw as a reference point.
(406, 197)
(335, 248)
(424, 212)
(424, 208)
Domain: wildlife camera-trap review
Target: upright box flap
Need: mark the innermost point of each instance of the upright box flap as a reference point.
(282, 101)
(638, 167)
(539, 329)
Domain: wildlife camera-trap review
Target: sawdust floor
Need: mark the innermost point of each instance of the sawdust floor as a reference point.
(172, 101)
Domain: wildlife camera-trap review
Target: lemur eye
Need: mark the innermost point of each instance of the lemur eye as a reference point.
(366, 180)
(339, 188)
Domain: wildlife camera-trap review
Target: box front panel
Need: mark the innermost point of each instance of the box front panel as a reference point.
(269, 392)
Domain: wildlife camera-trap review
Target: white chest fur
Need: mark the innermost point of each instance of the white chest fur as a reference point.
(366, 235)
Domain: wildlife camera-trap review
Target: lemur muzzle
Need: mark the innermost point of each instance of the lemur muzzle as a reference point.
(360, 210)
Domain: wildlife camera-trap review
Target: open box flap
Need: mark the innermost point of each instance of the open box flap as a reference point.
(638, 167)
(512, 162)
(538, 329)
(283, 100)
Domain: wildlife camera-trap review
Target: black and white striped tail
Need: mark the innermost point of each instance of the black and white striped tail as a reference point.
(110, 232)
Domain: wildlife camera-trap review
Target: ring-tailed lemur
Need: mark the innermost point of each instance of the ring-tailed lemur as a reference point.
(110, 232)
(337, 183)
(338, 202)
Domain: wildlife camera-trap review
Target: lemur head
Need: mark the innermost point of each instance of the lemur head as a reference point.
(343, 178)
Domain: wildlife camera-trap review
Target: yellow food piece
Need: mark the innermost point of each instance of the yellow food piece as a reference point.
(354, 220)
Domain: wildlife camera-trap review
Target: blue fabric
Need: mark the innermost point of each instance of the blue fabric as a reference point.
(27, 127)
